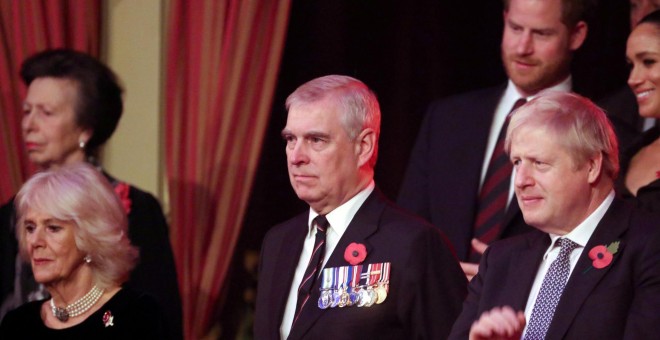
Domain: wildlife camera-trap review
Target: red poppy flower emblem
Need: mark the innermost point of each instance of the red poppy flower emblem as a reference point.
(122, 190)
(355, 253)
(601, 257)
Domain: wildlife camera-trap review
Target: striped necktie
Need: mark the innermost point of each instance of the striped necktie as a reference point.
(314, 266)
(494, 193)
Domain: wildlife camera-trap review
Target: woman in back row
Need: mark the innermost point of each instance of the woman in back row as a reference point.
(72, 107)
(639, 179)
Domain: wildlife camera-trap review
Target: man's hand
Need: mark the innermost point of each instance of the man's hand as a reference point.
(471, 269)
(502, 323)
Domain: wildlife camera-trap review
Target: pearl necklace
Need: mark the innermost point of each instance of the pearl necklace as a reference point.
(78, 307)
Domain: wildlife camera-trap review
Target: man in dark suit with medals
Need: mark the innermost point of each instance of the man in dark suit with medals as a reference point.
(591, 267)
(354, 266)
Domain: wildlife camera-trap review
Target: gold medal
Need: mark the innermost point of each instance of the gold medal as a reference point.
(343, 299)
(381, 292)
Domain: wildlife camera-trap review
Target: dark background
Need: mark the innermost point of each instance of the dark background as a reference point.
(408, 53)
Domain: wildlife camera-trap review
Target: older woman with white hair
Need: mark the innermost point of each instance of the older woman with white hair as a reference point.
(72, 229)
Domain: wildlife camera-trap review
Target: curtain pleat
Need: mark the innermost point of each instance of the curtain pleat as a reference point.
(222, 63)
(27, 27)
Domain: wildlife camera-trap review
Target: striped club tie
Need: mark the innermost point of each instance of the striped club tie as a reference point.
(494, 193)
(314, 266)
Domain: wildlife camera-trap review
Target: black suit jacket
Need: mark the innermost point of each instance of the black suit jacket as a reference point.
(619, 301)
(442, 180)
(427, 285)
(621, 108)
(648, 196)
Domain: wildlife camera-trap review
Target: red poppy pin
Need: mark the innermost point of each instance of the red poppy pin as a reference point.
(355, 253)
(122, 190)
(602, 256)
(108, 318)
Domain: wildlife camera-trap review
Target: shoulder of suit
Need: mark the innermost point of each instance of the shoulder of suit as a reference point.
(471, 96)
(522, 240)
(643, 223)
(458, 106)
(294, 222)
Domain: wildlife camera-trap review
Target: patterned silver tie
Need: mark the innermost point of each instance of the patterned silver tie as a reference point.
(550, 292)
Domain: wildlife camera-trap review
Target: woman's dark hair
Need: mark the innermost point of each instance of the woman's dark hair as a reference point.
(99, 105)
(651, 18)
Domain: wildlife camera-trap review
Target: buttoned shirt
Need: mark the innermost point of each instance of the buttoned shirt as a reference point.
(580, 235)
(339, 219)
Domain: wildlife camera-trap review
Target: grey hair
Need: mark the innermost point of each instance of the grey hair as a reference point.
(357, 103)
(579, 125)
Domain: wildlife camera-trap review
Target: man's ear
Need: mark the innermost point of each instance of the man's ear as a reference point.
(578, 35)
(595, 164)
(365, 146)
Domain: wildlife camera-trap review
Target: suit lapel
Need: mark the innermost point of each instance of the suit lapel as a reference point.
(511, 212)
(584, 277)
(364, 224)
(523, 267)
(286, 262)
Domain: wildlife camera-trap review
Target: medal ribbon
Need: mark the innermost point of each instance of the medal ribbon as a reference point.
(326, 281)
(385, 273)
(349, 276)
(342, 277)
(355, 275)
(375, 273)
(335, 278)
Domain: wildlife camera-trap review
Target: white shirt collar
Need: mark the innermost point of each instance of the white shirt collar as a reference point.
(511, 94)
(340, 217)
(582, 233)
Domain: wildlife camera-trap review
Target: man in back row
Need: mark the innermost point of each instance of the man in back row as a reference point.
(458, 176)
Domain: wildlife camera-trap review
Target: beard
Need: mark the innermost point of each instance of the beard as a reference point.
(532, 75)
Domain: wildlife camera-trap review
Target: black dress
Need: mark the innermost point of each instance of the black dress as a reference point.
(648, 196)
(127, 315)
(155, 272)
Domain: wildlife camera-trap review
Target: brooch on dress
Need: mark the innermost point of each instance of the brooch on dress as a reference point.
(108, 318)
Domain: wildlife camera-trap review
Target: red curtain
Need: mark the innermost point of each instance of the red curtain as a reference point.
(26, 27)
(222, 63)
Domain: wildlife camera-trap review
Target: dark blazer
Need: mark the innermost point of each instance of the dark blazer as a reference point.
(442, 180)
(155, 272)
(427, 285)
(616, 302)
(648, 196)
(621, 108)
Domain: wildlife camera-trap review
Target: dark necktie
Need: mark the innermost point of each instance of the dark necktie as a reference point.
(550, 292)
(494, 193)
(314, 266)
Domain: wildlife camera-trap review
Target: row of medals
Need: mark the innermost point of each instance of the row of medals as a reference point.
(361, 296)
